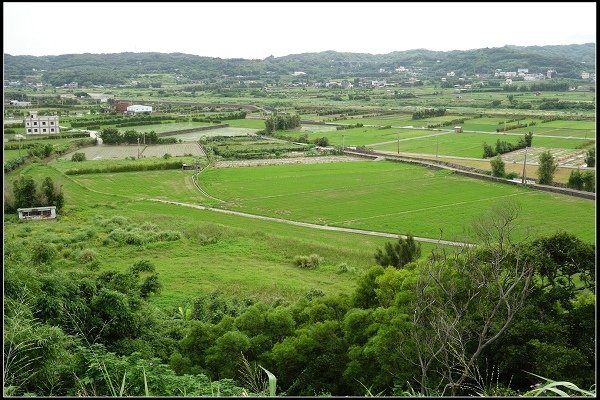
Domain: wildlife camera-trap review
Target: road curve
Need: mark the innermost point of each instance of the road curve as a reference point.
(315, 226)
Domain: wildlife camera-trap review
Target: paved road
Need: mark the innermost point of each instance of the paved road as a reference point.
(314, 226)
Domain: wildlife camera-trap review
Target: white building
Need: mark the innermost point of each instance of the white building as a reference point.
(137, 108)
(72, 85)
(298, 73)
(41, 125)
(451, 73)
(585, 75)
(18, 103)
(37, 212)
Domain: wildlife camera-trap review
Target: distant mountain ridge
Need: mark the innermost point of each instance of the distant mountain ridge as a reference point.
(117, 68)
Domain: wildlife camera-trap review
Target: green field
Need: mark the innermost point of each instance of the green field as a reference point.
(362, 136)
(390, 197)
(64, 165)
(12, 154)
(246, 123)
(483, 124)
(580, 129)
(468, 144)
(238, 256)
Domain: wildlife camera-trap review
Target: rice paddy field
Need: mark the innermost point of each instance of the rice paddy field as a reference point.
(468, 144)
(391, 197)
(363, 136)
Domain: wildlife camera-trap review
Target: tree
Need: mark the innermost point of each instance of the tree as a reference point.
(322, 142)
(575, 180)
(498, 167)
(547, 168)
(590, 158)
(463, 303)
(588, 181)
(78, 157)
(400, 253)
(488, 151)
(24, 192)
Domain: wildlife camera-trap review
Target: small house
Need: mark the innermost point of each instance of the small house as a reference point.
(458, 129)
(48, 212)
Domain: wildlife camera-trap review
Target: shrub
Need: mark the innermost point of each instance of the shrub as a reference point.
(590, 158)
(313, 293)
(547, 168)
(588, 181)
(87, 256)
(498, 167)
(511, 175)
(575, 180)
(308, 262)
(78, 157)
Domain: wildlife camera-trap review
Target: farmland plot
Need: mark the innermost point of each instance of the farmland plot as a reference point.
(229, 131)
(106, 152)
(391, 197)
(177, 149)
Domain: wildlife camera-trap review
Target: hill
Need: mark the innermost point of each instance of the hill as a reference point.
(118, 68)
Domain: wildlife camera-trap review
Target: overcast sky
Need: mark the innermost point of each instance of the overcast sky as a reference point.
(257, 30)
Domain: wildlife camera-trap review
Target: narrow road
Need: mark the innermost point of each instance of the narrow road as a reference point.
(314, 226)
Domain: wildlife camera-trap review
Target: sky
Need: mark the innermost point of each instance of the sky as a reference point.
(258, 30)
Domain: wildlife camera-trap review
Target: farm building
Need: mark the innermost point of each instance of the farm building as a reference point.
(18, 103)
(120, 106)
(458, 129)
(37, 212)
(137, 108)
(41, 125)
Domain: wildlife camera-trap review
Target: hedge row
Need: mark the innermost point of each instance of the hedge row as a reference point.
(127, 168)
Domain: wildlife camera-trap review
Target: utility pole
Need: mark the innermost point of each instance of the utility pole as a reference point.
(524, 163)
(398, 142)
(343, 137)
(138, 147)
(437, 146)
(144, 134)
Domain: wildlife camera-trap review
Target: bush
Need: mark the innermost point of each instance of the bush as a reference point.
(547, 168)
(498, 167)
(308, 262)
(511, 175)
(78, 157)
(87, 256)
(575, 180)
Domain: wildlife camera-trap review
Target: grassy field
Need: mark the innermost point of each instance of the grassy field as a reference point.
(561, 175)
(468, 144)
(246, 123)
(580, 129)
(390, 197)
(361, 136)
(239, 256)
(67, 164)
(12, 154)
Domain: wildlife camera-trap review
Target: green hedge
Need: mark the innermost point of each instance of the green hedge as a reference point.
(127, 168)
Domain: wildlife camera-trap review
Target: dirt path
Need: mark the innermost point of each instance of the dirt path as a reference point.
(314, 226)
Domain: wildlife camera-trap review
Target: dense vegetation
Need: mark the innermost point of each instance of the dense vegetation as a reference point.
(89, 69)
(433, 326)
